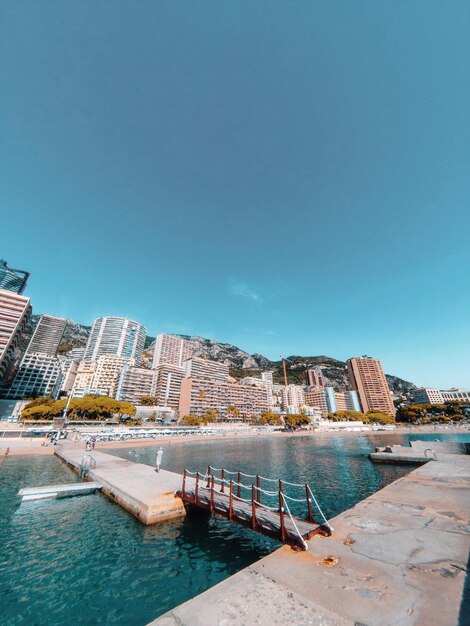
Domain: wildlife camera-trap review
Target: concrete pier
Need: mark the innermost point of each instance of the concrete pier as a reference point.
(136, 487)
(398, 557)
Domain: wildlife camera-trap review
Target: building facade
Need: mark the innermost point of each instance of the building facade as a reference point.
(47, 335)
(134, 383)
(167, 385)
(426, 395)
(107, 372)
(293, 398)
(15, 313)
(202, 368)
(199, 395)
(314, 377)
(367, 377)
(171, 350)
(38, 375)
(118, 336)
(11, 279)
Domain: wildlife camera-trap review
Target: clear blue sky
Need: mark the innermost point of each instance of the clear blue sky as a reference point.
(291, 177)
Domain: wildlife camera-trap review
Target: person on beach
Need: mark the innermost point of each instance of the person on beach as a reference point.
(7, 451)
(158, 461)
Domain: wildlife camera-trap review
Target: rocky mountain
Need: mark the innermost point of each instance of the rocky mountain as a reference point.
(241, 363)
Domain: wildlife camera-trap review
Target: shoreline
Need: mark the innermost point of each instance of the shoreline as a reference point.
(35, 450)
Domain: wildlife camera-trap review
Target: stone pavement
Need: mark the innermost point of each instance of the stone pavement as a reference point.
(398, 557)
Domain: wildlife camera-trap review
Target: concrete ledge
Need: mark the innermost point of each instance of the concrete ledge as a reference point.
(136, 487)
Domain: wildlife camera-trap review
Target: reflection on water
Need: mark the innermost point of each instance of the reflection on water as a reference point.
(87, 561)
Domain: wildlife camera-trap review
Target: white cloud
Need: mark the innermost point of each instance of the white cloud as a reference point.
(244, 291)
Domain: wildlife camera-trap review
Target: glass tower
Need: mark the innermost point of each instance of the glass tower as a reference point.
(12, 280)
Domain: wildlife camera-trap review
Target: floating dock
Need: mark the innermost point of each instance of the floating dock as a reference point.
(138, 488)
(67, 490)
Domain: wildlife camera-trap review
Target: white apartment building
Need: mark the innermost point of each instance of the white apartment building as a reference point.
(171, 350)
(427, 395)
(38, 375)
(47, 335)
(15, 312)
(293, 398)
(460, 395)
(116, 335)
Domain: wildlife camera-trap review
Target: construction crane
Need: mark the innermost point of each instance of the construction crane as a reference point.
(284, 361)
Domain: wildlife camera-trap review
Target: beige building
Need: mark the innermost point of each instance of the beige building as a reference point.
(133, 384)
(15, 312)
(47, 335)
(316, 397)
(85, 372)
(203, 368)
(199, 395)
(108, 371)
(69, 369)
(167, 385)
(171, 350)
(368, 379)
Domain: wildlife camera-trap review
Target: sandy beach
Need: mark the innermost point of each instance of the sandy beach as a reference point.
(21, 446)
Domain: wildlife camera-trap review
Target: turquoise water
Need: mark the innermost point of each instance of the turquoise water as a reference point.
(87, 561)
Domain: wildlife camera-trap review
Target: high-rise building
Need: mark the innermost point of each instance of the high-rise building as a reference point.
(293, 398)
(85, 373)
(314, 377)
(12, 280)
(47, 335)
(171, 350)
(107, 372)
(38, 375)
(230, 400)
(15, 312)
(116, 335)
(167, 385)
(330, 401)
(368, 379)
(203, 368)
(69, 369)
(134, 383)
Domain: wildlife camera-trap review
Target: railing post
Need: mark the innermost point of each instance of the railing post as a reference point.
(258, 487)
(208, 476)
(253, 507)
(309, 504)
(230, 501)
(239, 488)
(212, 495)
(184, 482)
(223, 481)
(196, 491)
(281, 512)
